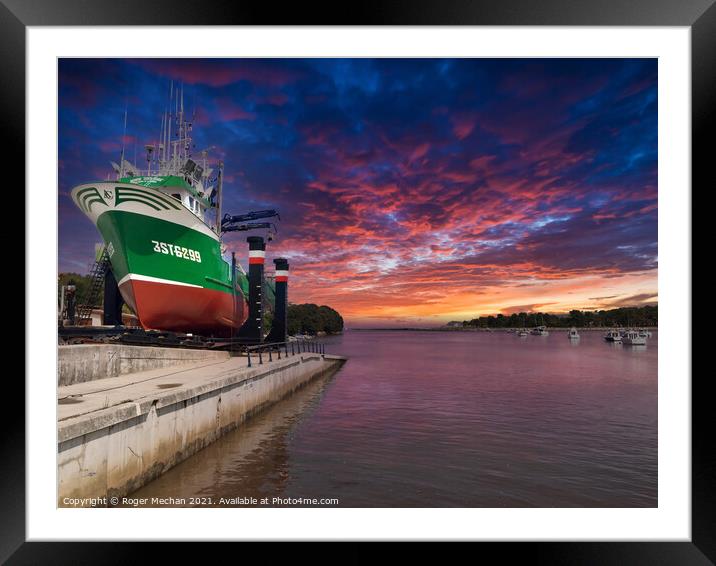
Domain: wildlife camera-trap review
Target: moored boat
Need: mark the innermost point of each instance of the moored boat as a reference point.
(162, 229)
(540, 331)
(633, 338)
(613, 336)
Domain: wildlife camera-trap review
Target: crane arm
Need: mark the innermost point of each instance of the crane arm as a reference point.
(229, 219)
(243, 227)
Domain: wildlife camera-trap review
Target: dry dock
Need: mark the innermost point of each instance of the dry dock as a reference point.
(115, 434)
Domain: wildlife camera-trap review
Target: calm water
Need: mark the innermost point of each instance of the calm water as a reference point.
(439, 419)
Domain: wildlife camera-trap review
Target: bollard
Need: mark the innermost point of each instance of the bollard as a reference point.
(270, 357)
(292, 351)
(252, 330)
(261, 360)
(279, 326)
(248, 355)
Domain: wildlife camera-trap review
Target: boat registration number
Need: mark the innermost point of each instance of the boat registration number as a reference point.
(177, 251)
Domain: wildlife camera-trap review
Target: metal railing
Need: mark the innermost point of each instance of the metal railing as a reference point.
(141, 337)
(295, 347)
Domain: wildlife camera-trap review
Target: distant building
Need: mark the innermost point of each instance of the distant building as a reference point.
(454, 324)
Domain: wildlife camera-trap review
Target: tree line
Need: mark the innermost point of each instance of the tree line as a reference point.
(623, 316)
(312, 319)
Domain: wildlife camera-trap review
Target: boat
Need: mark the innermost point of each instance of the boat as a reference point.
(522, 332)
(573, 334)
(613, 336)
(162, 231)
(540, 331)
(633, 338)
(645, 333)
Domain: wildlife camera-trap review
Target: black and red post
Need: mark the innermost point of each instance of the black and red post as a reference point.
(253, 329)
(279, 328)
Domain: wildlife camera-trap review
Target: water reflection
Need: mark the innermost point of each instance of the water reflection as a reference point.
(451, 419)
(251, 461)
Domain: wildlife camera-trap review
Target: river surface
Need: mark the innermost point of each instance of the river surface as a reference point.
(448, 419)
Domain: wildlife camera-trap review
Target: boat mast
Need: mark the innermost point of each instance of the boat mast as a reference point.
(219, 184)
(176, 113)
(169, 120)
(182, 126)
(160, 153)
(124, 135)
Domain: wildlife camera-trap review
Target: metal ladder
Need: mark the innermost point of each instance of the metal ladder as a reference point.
(97, 273)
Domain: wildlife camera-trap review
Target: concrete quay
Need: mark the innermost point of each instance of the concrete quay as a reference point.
(87, 362)
(118, 433)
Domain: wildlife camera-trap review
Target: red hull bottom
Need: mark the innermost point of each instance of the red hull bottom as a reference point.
(178, 308)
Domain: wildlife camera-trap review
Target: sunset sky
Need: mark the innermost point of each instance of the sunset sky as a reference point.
(411, 191)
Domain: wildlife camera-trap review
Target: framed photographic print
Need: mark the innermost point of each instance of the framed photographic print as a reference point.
(420, 274)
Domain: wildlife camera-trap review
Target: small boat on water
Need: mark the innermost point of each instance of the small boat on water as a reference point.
(613, 336)
(645, 333)
(573, 334)
(540, 331)
(522, 332)
(633, 338)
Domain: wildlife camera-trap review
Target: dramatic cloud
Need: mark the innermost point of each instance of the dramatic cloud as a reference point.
(409, 189)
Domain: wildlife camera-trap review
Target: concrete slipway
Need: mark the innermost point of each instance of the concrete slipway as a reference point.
(116, 434)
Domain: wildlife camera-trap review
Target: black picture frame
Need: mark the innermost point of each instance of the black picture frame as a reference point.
(699, 15)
